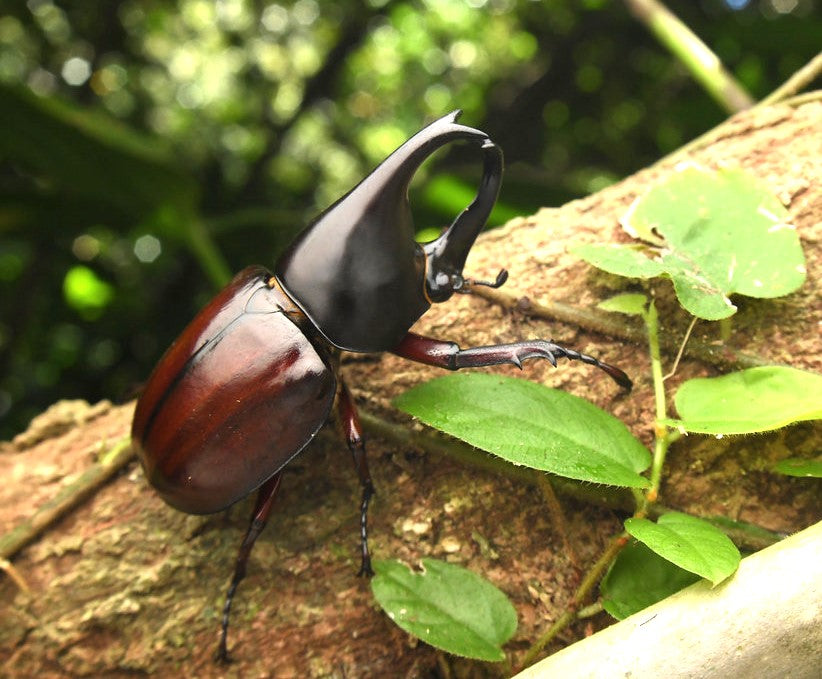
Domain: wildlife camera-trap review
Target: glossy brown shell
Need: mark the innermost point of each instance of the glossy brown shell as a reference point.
(239, 394)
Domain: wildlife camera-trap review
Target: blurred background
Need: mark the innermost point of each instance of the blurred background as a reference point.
(150, 148)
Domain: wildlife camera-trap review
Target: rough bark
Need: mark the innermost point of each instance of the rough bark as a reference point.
(125, 585)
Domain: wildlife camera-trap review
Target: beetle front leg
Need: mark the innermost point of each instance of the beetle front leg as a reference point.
(350, 421)
(259, 517)
(448, 355)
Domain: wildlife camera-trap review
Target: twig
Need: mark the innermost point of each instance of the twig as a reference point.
(697, 57)
(14, 574)
(117, 457)
(801, 99)
(776, 97)
(622, 328)
(679, 353)
(797, 82)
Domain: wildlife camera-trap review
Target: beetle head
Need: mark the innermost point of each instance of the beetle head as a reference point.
(357, 272)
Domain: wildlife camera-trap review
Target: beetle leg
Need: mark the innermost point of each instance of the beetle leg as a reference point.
(352, 429)
(448, 355)
(259, 517)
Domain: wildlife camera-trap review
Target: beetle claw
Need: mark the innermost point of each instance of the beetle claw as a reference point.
(522, 351)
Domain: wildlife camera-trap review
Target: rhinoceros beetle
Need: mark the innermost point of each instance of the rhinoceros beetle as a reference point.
(253, 378)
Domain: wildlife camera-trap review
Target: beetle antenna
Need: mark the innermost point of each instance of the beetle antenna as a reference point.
(502, 276)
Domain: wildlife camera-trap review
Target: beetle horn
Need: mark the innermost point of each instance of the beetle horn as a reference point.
(447, 254)
(396, 172)
(357, 271)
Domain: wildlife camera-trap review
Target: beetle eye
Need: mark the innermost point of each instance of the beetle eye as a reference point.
(456, 282)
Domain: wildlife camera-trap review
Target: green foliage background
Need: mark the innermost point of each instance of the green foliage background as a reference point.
(166, 120)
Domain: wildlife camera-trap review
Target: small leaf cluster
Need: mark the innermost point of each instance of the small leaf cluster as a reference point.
(713, 235)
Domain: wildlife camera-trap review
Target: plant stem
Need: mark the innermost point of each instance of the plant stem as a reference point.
(590, 581)
(594, 574)
(661, 409)
(780, 95)
(798, 100)
(803, 77)
(206, 252)
(697, 57)
(682, 346)
(725, 329)
(590, 610)
(652, 324)
(558, 516)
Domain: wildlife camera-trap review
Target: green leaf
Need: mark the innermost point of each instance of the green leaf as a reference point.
(795, 466)
(446, 606)
(713, 234)
(622, 260)
(90, 167)
(531, 425)
(690, 543)
(727, 525)
(748, 401)
(631, 303)
(90, 155)
(638, 578)
(697, 294)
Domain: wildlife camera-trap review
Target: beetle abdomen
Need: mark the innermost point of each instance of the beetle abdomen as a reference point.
(232, 401)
